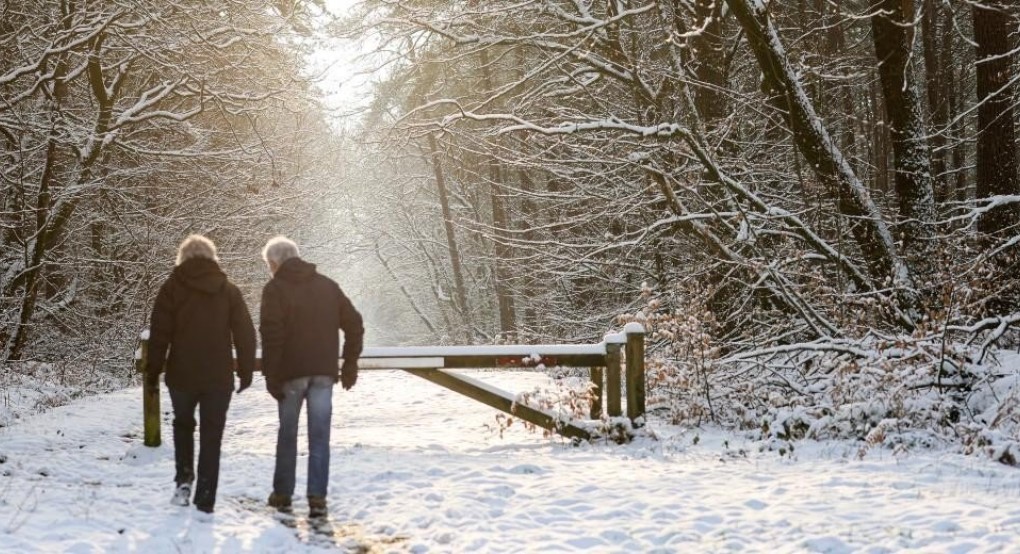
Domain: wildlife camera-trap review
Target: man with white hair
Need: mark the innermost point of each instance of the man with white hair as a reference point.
(199, 316)
(301, 316)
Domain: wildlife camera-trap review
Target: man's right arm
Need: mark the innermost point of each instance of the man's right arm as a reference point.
(243, 332)
(354, 334)
(353, 327)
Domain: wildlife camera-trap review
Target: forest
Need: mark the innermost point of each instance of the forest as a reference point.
(812, 205)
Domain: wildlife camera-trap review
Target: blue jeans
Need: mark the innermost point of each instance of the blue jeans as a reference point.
(318, 390)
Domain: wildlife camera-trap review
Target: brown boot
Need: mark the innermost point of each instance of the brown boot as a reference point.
(317, 506)
(280, 502)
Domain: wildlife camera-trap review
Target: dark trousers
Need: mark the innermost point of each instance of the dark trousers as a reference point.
(213, 417)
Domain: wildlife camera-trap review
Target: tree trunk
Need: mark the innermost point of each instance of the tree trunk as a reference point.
(836, 44)
(451, 238)
(531, 285)
(938, 106)
(955, 173)
(708, 59)
(893, 32)
(879, 140)
(996, 138)
(503, 252)
(507, 317)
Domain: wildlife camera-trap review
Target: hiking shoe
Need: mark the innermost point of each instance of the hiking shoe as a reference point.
(279, 501)
(317, 506)
(182, 496)
(204, 508)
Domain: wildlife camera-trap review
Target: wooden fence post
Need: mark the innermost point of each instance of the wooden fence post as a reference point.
(596, 392)
(614, 406)
(150, 399)
(635, 351)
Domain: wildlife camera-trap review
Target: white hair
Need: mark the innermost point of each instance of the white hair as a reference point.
(196, 246)
(279, 249)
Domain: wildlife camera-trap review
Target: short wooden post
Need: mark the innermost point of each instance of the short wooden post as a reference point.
(614, 405)
(635, 351)
(596, 392)
(150, 400)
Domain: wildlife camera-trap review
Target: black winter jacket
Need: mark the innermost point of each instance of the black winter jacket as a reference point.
(198, 315)
(301, 316)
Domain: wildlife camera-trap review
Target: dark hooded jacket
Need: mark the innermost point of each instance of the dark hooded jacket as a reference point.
(301, 316)
(198, 316)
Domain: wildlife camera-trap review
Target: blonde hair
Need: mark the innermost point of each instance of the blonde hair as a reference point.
(196, 246)
(280, 249)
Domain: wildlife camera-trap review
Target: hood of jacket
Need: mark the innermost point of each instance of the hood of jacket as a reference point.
(295, 270)
(201, 274)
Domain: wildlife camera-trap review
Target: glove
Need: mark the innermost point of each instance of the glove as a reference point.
(348, 375)
(245, 382)
(275, 389)
(152, 379)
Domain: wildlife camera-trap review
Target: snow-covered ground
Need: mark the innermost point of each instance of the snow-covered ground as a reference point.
(414, 469)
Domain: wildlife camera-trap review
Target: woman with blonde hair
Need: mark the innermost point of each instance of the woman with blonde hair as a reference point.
(198, 318)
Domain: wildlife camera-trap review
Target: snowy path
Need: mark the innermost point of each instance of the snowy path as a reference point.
(414, 471)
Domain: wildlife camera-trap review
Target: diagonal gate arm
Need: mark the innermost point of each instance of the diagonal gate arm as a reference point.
(501, 400)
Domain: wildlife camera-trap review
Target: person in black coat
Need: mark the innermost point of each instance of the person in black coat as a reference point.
(302, 314)
(198, 317)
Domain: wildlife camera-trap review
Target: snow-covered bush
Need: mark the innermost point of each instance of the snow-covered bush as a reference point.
(32, 387)
(896, 391)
